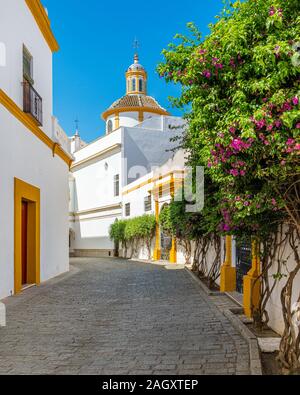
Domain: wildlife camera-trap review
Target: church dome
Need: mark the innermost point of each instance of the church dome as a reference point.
(136, 101)
(135, 105)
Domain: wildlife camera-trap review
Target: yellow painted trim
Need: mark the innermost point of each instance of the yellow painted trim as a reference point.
(151, 110)
(31, 194)
(43, 22)
(117, 121)
(252, 292)
(95, 156)
(157, 250)
(136, 73)
(173, 252)
(152, 180)
(141, 116)
(228, 273)
(31, 126)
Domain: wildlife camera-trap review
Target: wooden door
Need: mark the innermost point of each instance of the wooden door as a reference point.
(24, 241)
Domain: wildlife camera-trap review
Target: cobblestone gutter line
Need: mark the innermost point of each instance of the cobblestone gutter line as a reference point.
(230, 310)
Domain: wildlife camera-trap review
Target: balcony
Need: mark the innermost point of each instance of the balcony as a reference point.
(32, 103)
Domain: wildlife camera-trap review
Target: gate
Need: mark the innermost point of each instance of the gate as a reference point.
(243, 261)
(166, 246)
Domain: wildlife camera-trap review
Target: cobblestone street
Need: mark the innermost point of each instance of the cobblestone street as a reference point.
(118, 317)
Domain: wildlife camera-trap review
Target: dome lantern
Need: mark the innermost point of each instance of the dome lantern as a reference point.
(136, 78)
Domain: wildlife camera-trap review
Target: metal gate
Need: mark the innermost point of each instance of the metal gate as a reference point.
(166, 246)
(243, 261)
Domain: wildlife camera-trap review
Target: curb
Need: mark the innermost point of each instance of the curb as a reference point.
(202, 285)
(255, 359)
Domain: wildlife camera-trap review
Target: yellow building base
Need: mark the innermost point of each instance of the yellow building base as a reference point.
(251, 294)
(157, 255)
(173, 252)
(228, 279)
(173, 256)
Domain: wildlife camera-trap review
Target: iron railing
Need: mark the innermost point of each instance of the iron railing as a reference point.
(32, 102)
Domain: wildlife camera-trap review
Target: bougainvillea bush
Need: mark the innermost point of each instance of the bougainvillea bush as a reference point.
(241, 94)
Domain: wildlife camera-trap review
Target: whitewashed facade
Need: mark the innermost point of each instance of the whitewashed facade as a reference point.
(34, 153)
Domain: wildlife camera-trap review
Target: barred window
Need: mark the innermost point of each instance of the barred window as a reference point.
(127, 209)
(148, 203)
(117, 185)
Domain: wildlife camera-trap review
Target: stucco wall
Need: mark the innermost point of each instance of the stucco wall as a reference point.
(24, 156)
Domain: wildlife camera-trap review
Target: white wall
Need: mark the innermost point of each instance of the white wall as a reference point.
(274, 306)
(18, 27)
(24, 156)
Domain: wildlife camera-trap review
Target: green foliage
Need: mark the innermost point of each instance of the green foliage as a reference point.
(117, 231)
(134, 230)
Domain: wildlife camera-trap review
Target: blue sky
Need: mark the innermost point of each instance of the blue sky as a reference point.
(96, 47)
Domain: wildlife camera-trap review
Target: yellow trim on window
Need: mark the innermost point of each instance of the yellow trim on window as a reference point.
(31, 126)
(30, 194)
(43, 22)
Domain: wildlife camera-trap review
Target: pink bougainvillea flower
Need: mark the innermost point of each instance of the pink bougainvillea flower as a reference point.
(219, 65)
(297, 147)
(298, 125)
(273, 201)
(206, 74)
(295, 101)
(242, 173)
(290, 142)
(287, 107)
(272, 11)
(234, 172)
(278, 123)
(246, 204)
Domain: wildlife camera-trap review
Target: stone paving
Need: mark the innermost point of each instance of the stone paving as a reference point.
(111, 316)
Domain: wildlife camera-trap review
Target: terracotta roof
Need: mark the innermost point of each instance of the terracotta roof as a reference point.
(136, 101)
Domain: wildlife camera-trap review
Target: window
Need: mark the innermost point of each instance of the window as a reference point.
(27, 65)
(133, 84)
(160, 191)
(148, 203)
(109, 126)
(127, 209)
(117, 185)
(141, 85)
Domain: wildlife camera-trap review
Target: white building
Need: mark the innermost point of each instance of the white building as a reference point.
(34, 158)
(137, 141)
